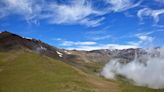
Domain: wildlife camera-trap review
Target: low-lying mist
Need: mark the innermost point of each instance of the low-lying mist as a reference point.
(145, 70)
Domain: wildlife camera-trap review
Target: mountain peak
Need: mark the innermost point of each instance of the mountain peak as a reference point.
(11, 41)
(6, 33)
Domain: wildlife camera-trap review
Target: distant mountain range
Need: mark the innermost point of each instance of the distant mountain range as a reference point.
(80, 59)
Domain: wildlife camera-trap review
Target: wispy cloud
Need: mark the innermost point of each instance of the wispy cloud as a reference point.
(121, 5)
(77, 12)
(144, 39)
(28, 9)
(92, 23)
(83, 12)
(74, 43)
(97, 35)
(102, 46)
(160, 1)
(101, 37)
(91, 45)
(155, 14)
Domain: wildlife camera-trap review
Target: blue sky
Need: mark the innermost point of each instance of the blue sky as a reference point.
(86, 24)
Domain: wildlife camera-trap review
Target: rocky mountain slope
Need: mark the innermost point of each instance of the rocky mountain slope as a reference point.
(9, 41)
(86, 60)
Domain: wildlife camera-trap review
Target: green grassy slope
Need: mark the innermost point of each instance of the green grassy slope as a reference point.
(24, 71)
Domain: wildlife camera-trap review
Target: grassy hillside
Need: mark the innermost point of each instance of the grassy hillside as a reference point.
(24, 71)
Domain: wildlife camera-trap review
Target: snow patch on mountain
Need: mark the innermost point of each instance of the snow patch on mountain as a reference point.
(59, 53)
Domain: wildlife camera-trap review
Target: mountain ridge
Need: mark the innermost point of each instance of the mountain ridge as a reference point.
(86, 60)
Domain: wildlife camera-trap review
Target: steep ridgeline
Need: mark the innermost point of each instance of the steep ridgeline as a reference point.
(10, 41)
(87, 60)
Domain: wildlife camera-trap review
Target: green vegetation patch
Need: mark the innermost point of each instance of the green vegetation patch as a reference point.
(28, 72)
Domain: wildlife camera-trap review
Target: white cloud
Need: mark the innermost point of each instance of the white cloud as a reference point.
(77, 12)
(101, 37)
(97, 35)
(118, 46)
(91, 45)
(150, 12)
(78, 43)
(29, 9)
(144, 70)
(92, 23)
(102, 46)
(145, 36)
(83, 12)
(121, 5)
(144, 39)
(160, 1)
